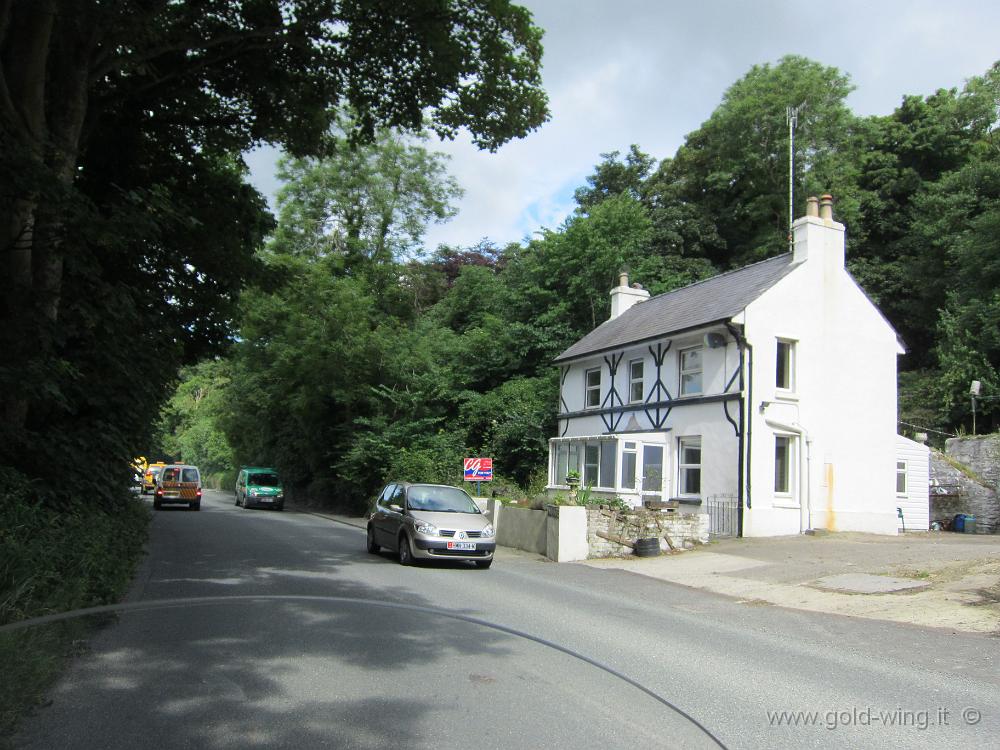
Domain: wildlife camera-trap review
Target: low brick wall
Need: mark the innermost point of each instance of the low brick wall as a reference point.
(684, 530)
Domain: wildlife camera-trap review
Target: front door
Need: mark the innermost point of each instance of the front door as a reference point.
(652, 472)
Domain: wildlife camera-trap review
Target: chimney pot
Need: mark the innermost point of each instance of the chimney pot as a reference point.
(812, 206)
(623, 279)
(826, 207)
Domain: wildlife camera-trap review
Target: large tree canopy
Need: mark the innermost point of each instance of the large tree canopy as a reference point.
(126, 227)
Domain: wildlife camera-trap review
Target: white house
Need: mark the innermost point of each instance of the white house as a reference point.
(770, 390)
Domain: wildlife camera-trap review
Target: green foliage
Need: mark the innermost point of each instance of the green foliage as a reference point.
(613, 177)
(728, 182)
(190, 423)
(56, 561)
(512, 424)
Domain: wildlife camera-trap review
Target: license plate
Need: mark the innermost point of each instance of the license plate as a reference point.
(462, 545)
(171, 494)
(266, 499)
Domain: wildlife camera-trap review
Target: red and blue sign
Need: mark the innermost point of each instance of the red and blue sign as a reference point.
(479, 470)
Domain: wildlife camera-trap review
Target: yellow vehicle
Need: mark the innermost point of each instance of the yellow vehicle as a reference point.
(178, 483)
(149, 478)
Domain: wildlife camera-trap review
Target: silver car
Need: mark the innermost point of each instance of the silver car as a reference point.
(430, 522)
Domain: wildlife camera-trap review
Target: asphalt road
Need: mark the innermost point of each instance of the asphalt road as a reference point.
(279, 630)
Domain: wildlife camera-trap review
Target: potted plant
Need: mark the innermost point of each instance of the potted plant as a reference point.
(573, 479)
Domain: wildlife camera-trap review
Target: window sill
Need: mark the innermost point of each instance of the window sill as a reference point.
(687, 500)
(786, 505)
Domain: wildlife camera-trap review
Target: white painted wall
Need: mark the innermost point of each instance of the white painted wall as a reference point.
(843, 408)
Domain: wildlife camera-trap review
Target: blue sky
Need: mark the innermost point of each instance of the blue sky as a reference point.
(647, 72)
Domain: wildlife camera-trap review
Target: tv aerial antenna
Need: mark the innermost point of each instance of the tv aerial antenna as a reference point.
(792, 119)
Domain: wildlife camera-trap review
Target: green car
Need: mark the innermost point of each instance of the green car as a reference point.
(259, 487)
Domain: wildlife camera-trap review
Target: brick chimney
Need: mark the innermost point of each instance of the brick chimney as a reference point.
(624, 296)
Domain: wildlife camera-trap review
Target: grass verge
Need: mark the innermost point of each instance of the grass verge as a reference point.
(56, 560)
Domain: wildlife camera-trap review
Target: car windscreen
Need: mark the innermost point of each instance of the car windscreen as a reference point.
(189, 475)
(263, 480)
(440, 499)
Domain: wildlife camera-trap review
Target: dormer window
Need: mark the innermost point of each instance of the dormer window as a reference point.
(592, 395)
(690, 361)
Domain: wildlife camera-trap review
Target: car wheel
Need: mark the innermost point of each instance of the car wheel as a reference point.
(157, 505)
(280, 507)
(195, 506)
(405, 553)
(237, 501)
(372, 547)
(484, 564)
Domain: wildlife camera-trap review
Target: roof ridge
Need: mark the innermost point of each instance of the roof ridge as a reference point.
(719, 276)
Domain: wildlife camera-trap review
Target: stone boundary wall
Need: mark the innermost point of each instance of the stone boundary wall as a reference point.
(981, 453)
(684, 530)
(952, 491)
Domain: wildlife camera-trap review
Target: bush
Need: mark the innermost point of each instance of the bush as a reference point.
(56, 560)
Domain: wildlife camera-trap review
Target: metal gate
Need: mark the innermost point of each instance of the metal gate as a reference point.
(723, 515)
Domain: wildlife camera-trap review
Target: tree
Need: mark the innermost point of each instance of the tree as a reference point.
(190, 423)
(730, 177)
(121, 125)
(615, 177)
(372, 202)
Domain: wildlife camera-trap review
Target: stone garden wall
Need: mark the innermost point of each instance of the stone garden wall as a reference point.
(957, 488)
(676, 531)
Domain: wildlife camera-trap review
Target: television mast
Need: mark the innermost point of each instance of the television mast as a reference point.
(792, 118)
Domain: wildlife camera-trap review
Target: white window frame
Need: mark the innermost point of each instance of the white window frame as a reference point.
(576, 460)
(788, 494)
(683, 468)
(629, 447)
(691, 371)
(901, 470)
(634, 381)
(789, 366)
(588, 388)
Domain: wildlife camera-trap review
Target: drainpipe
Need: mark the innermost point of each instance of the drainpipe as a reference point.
(805, 461)
(743, 453)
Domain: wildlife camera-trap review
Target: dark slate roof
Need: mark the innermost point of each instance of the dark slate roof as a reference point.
(709, 301)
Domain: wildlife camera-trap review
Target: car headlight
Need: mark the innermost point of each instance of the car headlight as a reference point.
(253, 493)
(422, 527)
(489, 532)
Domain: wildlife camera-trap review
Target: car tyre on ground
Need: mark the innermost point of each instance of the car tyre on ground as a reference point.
(405, 553)
(195, 506)
(370, 542)
(157, 505)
